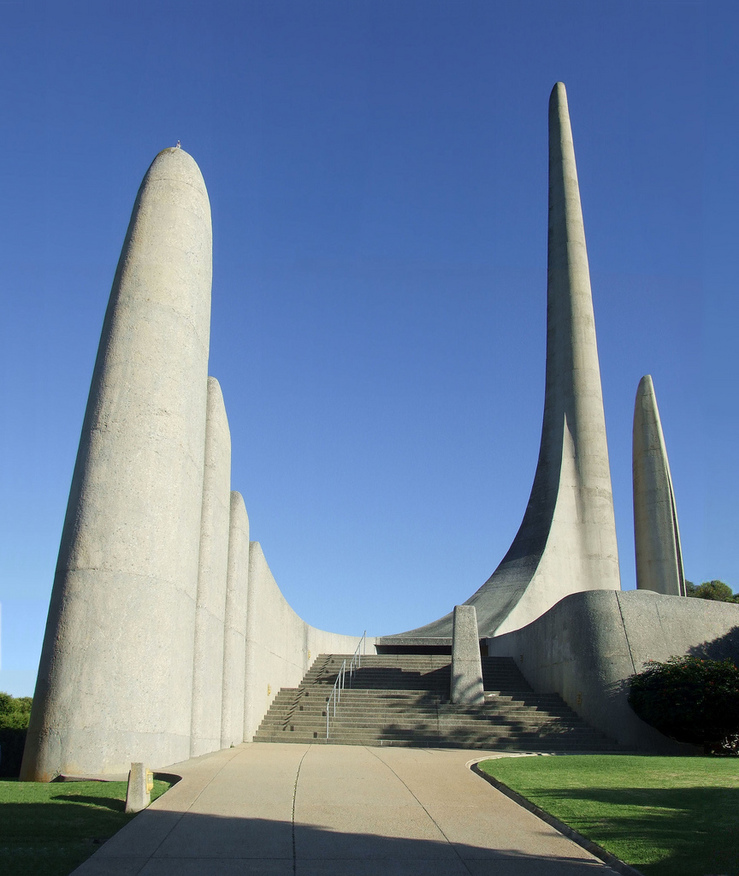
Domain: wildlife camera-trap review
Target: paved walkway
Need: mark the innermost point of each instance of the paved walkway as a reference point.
(305, 810)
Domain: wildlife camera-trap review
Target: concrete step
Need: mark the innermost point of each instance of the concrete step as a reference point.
(403, 700)
(532, 742)
(410, 722)
(352, 707)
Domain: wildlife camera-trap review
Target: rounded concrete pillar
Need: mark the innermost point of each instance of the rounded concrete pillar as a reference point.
(115, 678)
(210, 612)
(234, 651)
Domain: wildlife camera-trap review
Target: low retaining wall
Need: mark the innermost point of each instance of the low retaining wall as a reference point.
(586, 647)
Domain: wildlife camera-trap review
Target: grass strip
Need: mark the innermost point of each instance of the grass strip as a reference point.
(49, 829)
(665, 816)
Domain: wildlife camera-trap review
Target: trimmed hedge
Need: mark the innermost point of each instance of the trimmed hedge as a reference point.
(12, 740)
(691, 700)
(14, 715)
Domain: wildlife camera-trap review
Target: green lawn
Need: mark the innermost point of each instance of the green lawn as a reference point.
(48, 830)
(666, 816)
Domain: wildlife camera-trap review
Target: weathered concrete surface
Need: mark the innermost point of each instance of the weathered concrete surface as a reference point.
(138, 795)
(115, 677)
(234, 651)
(466, 676)
(210, 611)
(333, 810)
(586, 647)
(659, 557)
(280, 646)
(567, 540)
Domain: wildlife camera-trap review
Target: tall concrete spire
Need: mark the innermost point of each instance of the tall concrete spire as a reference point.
(116, 671)
(659, 558)
(567, 540)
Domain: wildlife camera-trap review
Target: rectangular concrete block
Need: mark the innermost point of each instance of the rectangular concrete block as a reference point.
(467, 686)
(138, 793)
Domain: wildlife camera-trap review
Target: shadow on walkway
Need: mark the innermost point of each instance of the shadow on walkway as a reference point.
(195, 845)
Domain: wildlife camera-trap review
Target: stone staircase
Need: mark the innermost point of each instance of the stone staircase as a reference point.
(403, 699)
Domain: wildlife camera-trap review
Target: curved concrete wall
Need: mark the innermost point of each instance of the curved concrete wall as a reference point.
(587, 646)
(234, 645)
(280, 646)
(210, 612)
(115, 677)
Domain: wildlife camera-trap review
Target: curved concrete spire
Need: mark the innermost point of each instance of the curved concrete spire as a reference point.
(115, 677)
(567, 540)
(659, 558)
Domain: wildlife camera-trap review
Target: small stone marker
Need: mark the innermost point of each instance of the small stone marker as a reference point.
(138, 795)
(467, 686)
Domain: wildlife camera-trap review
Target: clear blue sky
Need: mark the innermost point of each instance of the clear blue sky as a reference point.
(377, 175)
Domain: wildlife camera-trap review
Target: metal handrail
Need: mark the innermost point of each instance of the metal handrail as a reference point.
(335, 696)
(356, 660)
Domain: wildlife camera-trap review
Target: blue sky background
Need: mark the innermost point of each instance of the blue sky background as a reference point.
(378, 180)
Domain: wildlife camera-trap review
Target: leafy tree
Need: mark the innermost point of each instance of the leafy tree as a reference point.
(714, 590)
(691, 700)
(14, 711)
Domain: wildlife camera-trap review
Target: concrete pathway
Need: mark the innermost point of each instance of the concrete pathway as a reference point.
(305, 810)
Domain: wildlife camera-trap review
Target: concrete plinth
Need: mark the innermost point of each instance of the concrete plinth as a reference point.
(138, 794)
(115, 677)
(659, 558)
(466, 681)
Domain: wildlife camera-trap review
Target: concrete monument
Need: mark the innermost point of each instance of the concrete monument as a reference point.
(659, 557)
(167, 634)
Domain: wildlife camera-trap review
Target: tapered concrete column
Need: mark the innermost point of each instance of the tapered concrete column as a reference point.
(115, 677)
(568, 534)
(234, 652)
(567, 540)
(659, 559)
(466, 681)
(210, 613)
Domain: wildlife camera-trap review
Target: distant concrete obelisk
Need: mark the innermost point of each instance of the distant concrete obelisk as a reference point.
(116, 671)
(567, 540)
(659, 558)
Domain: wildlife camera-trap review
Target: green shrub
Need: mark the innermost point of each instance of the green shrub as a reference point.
(714, 590)
(691, 700)
(14, 716)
